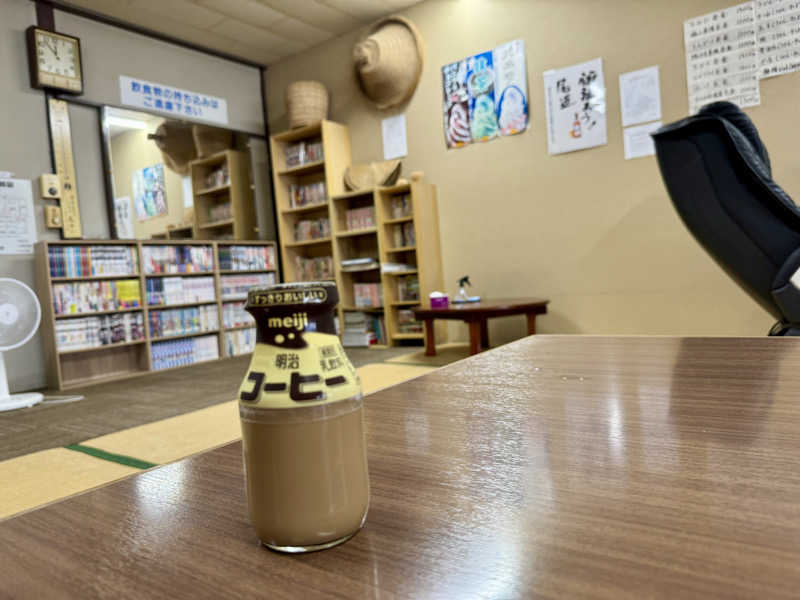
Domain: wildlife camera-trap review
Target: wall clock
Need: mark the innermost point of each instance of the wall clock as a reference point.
(54, 60)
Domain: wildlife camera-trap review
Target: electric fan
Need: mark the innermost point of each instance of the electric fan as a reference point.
(20, 315)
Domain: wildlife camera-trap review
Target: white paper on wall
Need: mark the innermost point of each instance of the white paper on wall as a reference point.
(778, 23)
(123, 218)
(17, 222)
(722, 58)
(640, 96)
(395, 144)
(637, 140)
(575, 101)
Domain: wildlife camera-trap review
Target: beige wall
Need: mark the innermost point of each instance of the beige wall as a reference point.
(131, 151)
(591, 231)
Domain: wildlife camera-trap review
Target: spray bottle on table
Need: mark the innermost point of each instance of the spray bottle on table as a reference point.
(462, 296)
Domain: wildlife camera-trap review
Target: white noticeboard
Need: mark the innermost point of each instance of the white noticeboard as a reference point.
(169, 100)
(778, 24)
(722, 57)
(575, 99)
(395, 144)
(640, 96)
(17, 222)
(637, 140)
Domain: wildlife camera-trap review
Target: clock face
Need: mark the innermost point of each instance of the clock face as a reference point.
(56, 55)
(56, 61)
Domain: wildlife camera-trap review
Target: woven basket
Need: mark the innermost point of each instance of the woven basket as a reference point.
(306, 103)
(210, 140)
(360, 177)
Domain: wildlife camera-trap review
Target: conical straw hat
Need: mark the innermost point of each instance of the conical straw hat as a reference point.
(389, 61)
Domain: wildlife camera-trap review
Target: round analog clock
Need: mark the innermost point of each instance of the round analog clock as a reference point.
(54, 60)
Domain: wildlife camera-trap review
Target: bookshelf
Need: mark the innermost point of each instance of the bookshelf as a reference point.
(223, 198)
(348, 238)
(107, 336)
(302, 194)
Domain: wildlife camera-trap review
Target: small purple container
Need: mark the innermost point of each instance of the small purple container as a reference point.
(440, 302)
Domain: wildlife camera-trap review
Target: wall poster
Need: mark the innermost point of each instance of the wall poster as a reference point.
(17, 222)
(722, 58)
(778, 24)
(575, 102)
(149, 192)
(485, 95)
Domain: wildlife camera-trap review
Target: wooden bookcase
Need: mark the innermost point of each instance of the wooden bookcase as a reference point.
(235, 193)
(330, 170)
(374, 242)
(72, 368)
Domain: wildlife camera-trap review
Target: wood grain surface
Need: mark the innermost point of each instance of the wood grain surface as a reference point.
(556, 467)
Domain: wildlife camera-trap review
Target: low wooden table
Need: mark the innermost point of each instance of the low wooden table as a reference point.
(554, 466)
(476, 314)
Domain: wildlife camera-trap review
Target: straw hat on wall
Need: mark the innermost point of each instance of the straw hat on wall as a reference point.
(389, 61)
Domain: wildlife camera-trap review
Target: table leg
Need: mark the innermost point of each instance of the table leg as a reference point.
(485, 334)
(474, 337)
(531, 323)
(430, 338)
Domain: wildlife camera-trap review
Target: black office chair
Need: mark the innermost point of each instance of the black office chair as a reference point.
(717, 172)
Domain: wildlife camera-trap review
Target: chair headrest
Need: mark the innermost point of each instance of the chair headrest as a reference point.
(736, 117)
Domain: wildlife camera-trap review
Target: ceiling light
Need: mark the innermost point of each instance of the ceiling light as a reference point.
(125, 123)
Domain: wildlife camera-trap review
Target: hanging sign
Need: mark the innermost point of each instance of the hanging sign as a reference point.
(167, 99)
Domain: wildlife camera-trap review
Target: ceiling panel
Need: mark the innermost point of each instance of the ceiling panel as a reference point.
(263, 31)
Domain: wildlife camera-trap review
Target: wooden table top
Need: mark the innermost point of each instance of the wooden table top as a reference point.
(490, 307)
(556, 466)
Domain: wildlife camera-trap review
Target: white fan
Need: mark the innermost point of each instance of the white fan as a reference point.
(20, 315)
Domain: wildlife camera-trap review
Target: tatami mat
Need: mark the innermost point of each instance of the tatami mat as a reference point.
(445, 354)
(52, 474)
(177, 437)
(49, 475)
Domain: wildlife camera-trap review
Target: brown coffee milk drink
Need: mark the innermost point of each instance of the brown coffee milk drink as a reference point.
(302, 427)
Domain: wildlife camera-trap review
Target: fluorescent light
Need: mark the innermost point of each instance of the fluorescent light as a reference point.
(126, 123)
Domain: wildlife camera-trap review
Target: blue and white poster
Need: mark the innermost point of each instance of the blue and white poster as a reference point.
(176, 102)
(480, 86)
(149, 192)
(485, 95)
(511, 87)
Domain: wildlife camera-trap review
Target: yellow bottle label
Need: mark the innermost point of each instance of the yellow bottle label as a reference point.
(282, 376)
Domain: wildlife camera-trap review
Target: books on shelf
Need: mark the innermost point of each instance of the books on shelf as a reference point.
(403, 235)
(94, 296)
(309, 194)
(407, 288)
(237, 286)
(303, 153)
(179, 353)
(359, 264)
(218, 177)
(220, 212)
(177, 259)
(392, 267)
(164, 291)
(362, 329)
(234, 315)
(360, 218)
(181, 321)
(96, 332)
(407, 322)
(242, 341)
(313, 269)
(367, 295)
(312, 229)
(401, 206)
(246, 258)
(91, 261)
